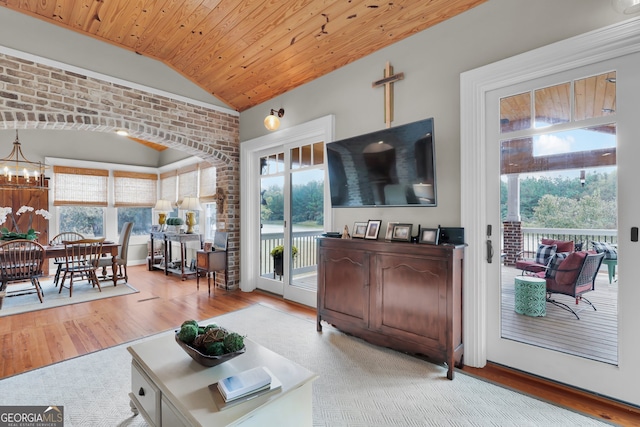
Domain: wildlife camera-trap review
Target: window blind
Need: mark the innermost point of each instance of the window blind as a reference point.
(168, 186)
(80, 186)
(207, 182)
(187, 182)
(135, 189)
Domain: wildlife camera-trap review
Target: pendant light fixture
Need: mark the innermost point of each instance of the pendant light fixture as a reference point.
(17, 172)
(272, 121)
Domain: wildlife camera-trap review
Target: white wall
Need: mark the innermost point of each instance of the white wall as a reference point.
(432, 62)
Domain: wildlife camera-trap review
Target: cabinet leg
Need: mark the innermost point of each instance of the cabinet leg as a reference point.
(134, 409)
(450, 365)
(319, 325)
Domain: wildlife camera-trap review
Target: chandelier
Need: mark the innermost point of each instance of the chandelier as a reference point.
(16, 172)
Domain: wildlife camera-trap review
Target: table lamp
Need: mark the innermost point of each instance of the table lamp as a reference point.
(163, 206)
(190, 204)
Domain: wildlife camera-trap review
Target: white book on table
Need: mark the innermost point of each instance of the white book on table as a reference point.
(243, 383)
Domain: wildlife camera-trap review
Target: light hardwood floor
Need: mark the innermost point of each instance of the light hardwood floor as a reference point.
(40, 338)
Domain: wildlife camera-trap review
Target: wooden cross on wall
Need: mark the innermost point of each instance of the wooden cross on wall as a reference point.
(388, 81)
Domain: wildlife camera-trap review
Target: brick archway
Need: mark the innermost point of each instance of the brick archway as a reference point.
(38, 96)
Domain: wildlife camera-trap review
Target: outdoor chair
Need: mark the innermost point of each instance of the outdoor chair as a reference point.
(572, 275)
(57, 240)
(537, 262)
(81, 259)
(121, 258)
(21, 261)
(610, 251)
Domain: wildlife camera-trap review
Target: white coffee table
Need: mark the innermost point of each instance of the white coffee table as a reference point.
(170, 389)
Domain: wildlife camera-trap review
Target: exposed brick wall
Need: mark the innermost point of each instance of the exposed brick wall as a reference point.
(37, 96)
(512, 241)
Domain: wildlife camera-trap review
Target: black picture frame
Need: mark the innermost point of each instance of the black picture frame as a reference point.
(429, 236)
(401, 232)
(359, 230)
(373, 229)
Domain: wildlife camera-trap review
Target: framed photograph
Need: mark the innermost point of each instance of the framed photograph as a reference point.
(389, 233)
(156, 228)
(429, 236)
(359, 230)
(220, 241)
(373, 228)
(208, 246)
(401, 232)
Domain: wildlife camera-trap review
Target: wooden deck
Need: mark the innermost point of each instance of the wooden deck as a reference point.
(594, 336)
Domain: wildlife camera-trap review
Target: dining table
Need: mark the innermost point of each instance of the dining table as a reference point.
(108, 248)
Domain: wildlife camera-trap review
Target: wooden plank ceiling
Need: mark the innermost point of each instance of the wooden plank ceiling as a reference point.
(247, 52)
(593, 97)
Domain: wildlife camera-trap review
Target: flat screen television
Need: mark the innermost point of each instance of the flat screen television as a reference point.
(390, 167)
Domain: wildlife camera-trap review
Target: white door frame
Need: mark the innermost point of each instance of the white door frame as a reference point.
(322, 129)
(599, 45)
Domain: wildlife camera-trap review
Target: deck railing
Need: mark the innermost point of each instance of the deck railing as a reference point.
(533, 236)
(304, 261)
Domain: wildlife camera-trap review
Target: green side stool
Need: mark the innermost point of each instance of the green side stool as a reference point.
(611, 268)
(531, 296)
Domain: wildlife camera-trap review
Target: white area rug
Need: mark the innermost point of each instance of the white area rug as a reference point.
(82, 292)
(359, 384)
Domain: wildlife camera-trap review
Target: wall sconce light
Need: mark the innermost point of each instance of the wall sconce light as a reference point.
(627, 7)
(583, 177)
(272, 121)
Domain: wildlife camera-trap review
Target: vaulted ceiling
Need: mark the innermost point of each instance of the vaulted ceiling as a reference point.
(245, 52)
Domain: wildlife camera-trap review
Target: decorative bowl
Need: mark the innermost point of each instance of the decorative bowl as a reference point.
(205, 359)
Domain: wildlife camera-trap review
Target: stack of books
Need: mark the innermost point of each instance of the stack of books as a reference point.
(244, 384)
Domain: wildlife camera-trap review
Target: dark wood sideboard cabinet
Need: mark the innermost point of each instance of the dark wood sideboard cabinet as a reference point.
(399, 295)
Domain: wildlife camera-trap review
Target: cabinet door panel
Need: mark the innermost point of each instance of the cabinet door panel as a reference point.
(411, 298)
(345, 287)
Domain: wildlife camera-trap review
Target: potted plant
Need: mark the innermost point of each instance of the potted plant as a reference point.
(278, 264)
(175, 223)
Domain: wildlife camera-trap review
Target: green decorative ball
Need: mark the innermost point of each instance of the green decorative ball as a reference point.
(189, 322)
(210, 326)
(215, 348)
(188, 333)
(233, 342)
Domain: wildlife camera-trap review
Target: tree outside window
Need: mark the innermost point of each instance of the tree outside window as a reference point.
(141, 218)
(86, 220)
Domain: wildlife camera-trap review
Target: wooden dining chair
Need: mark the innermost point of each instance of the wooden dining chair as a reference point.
(66, 236)
(121, 258)
(21, 261)
(81, 260)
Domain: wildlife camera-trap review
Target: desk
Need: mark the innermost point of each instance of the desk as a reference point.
(181, 238)
(170, 389)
